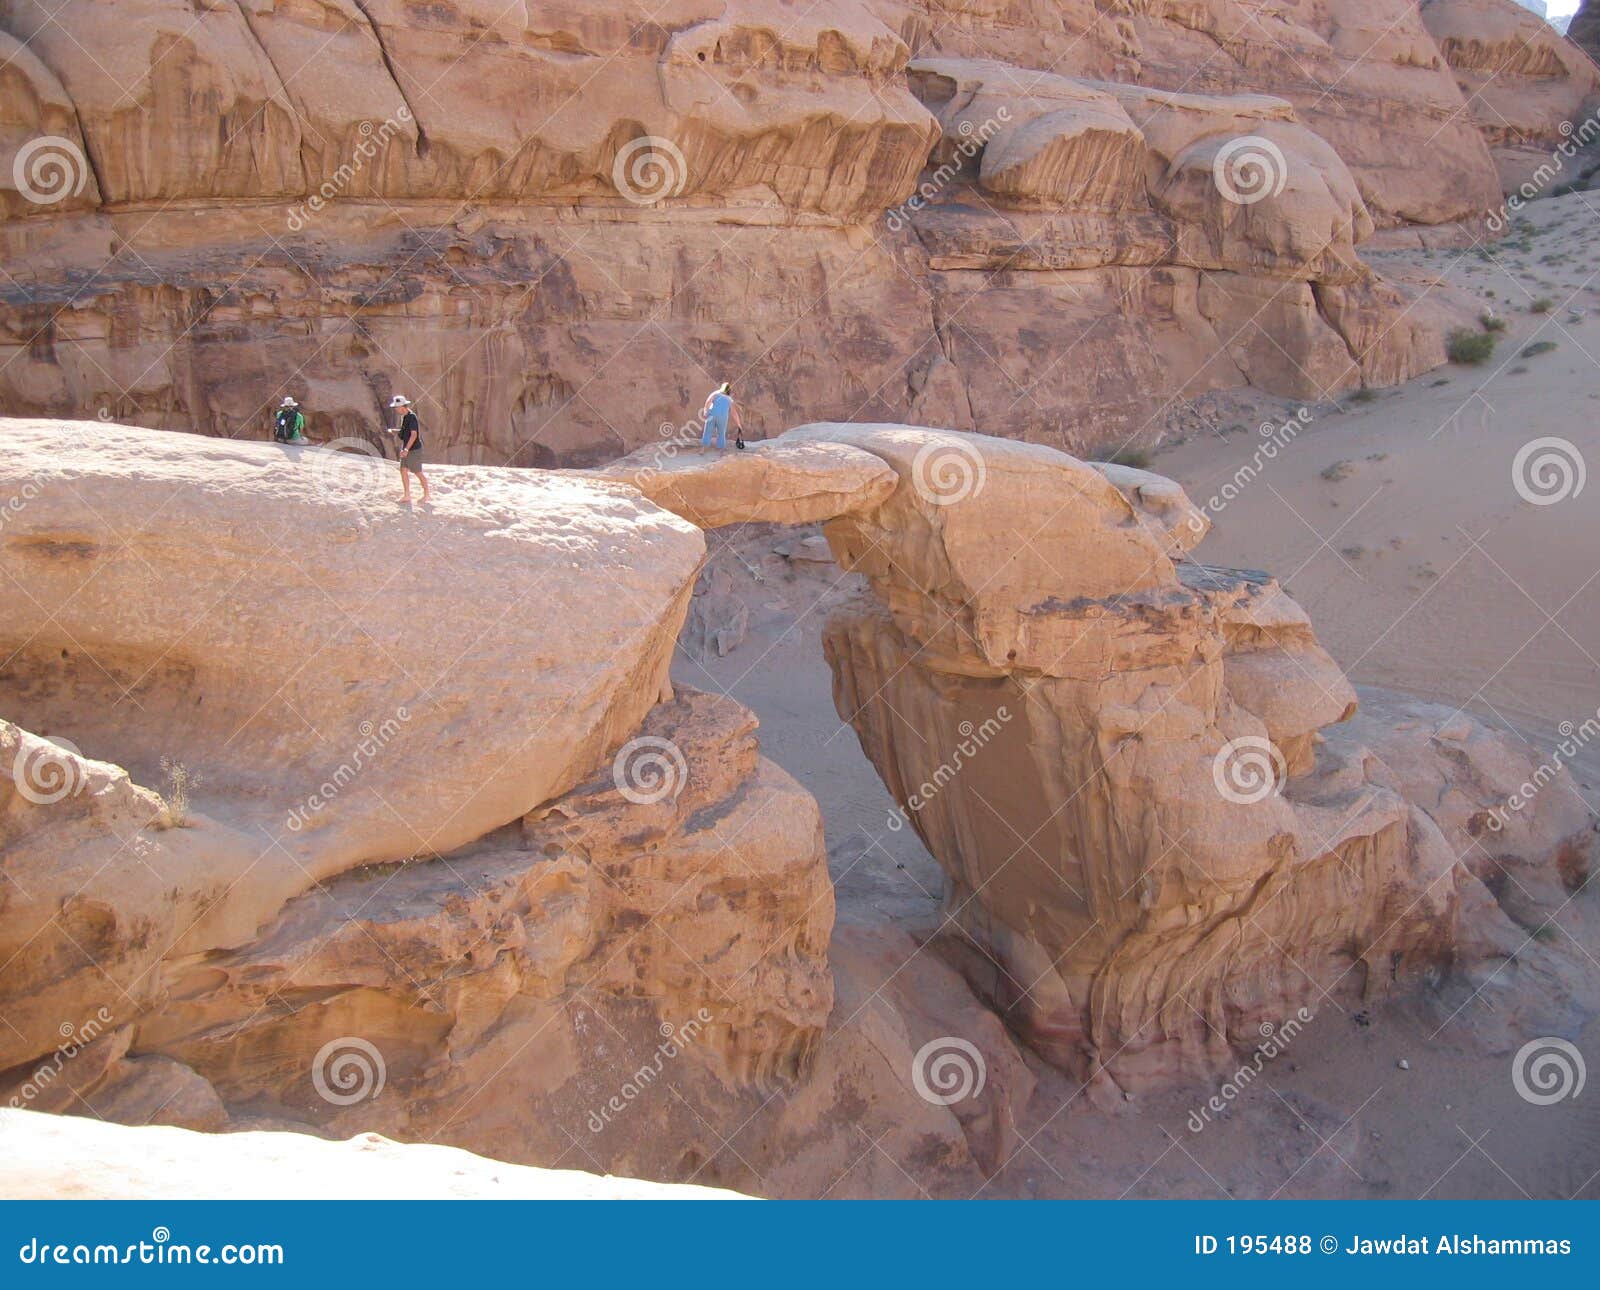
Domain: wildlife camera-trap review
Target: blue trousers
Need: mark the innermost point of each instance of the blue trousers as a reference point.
(720, 425)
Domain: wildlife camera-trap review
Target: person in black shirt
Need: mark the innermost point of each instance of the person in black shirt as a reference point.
(410, 435)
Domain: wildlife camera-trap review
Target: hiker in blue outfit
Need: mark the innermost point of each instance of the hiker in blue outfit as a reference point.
(719, 407)
(289, 426)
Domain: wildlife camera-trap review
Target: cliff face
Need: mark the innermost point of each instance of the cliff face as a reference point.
(555, 225)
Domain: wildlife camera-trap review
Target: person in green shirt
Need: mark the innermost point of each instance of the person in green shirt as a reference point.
(289, 426)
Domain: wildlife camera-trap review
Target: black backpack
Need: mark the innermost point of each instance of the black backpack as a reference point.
(284, 430)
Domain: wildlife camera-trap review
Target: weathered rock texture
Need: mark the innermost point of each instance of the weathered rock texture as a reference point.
(1155, 838)
(1525, 86)
(556, 226)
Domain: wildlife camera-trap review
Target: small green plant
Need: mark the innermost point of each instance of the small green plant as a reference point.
(1464, 346)
(1135, 457)
(1538, 347)
(1339, 470)
(180, 779)
(1541, 305)
(1363, 395)
(1491, 321)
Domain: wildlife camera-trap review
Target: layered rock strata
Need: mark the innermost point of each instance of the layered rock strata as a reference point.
(557, 226)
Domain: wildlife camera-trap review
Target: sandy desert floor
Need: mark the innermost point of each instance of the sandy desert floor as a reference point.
(1395, 521)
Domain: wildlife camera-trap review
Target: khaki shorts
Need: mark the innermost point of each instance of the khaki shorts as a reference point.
(412, 461)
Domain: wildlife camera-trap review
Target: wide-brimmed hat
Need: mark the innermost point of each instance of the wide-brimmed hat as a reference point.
(288, 403)
(399, 401)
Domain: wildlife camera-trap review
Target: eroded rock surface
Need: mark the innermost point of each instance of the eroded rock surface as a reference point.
(557, 226)
(1161, 831)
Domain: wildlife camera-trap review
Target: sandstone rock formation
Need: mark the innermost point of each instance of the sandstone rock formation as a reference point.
(267, 621)
(49, 1157)
(1525, 86)
(1155, 834)
(1156, 839)
(557, 226)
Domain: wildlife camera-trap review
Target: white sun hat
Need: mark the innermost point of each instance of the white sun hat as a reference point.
(399, 401)
(288, 403)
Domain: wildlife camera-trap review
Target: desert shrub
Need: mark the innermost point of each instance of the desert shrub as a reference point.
(1463, 346)
(1542, 305)
(1491, 322)
(1538, 347)
(1363, 395)
(1135, 457)
(180, 779)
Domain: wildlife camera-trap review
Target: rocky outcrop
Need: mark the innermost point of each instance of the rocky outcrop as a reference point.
(266, 638)
(1157, 840)
(50, 1157)
(1160, 830)
(500, 215)
(1525, 86)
